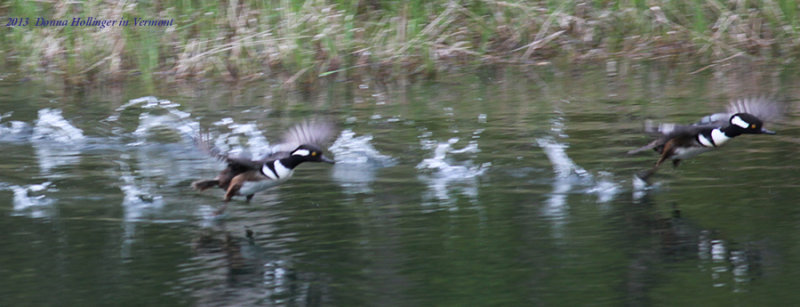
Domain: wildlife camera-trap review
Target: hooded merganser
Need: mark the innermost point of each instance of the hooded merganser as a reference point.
(678, 142)
(245, 177)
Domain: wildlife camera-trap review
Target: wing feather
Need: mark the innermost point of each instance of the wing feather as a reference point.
(673, 131)
(766, 109)
(203, 143)
(316, 132)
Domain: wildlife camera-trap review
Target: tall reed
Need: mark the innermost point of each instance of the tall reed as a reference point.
(301, 41)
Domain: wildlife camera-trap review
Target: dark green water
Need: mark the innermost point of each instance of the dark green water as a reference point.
(490, 188)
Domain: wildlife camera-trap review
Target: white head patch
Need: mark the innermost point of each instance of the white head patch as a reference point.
(301, 152)
(736, 120)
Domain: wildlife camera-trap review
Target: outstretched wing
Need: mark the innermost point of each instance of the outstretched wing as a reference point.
(762, 107)
(659, 130)
(202, 142)
(653, 128)
(668, 132)
(766, 109)
(315, 132)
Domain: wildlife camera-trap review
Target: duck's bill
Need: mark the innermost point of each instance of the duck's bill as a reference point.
(327, 160)
(765, 131)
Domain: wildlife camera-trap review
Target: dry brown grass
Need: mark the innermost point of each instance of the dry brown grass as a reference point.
(302, 41)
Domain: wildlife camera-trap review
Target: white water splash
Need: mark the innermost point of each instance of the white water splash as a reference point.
(174, 119)
(30, 201)
(13, 130)
(56, 141)
(604, 187)
(50, 156)
(256, 145)
(138, 198)
(563, 166)
(565, 171)
(356, 162)
(52, 126)
(137, 202)
(149, 122)
(568, 174)
(149, 102)
(443, 175)
(351, 150)
(443, 167)
(640, 187)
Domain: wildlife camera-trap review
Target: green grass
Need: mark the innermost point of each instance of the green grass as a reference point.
(302, 41)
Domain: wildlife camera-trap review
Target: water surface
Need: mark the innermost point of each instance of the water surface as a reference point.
(487, 187)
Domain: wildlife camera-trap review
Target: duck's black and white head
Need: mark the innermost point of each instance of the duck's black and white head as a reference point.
(746, 123)
(310, 153)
